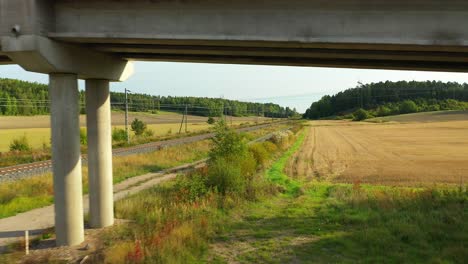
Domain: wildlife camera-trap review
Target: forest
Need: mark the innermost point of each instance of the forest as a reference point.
(392, 98)
(29, 98)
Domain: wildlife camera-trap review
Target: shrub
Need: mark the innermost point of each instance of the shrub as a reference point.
(225, 176)
(383, 111)
(191, 187)
(226, 142)
(281, 138)
(148, 133)
(211, 120)
(408, 106)
(232, 166)
(360, 115)
(83, 137)
(270, 147)
(260, 154)
(20, 144)
(119, 135)
(138, 127)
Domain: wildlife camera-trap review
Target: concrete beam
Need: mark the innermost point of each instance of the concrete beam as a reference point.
(398, 34)
(66, 159)
(98, 122)
(421, 22)
(40, 54)
(32, 16)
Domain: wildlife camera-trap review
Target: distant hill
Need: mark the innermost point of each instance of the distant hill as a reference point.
(392, 98)
(29, 98)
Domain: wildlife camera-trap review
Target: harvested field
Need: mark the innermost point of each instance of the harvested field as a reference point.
(37, 128)
(388, 153)
(118, 118)
(437, 116)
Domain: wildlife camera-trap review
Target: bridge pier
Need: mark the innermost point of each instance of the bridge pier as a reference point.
(98, 121)
(66, 158)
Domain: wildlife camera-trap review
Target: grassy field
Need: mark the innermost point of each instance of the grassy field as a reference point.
(314, 220)
(388, 153)
(37, 128)
(26, 194)
(337, 192)
(344, 223)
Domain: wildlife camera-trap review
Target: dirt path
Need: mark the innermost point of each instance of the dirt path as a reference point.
(38, 220)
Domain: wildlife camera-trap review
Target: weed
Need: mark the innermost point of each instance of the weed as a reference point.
(20, 144)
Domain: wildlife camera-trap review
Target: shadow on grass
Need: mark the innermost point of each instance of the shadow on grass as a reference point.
(348, 226)
(153, 168)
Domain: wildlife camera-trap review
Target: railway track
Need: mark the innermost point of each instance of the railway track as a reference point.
(26, 170)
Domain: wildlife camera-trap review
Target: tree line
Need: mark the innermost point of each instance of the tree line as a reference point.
(390, 98)
(30, 98)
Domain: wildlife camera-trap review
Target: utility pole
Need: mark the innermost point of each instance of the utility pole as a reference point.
(186, 113)
(184, 118)
(126, 115)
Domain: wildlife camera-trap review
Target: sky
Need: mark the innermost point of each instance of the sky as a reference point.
(296, 87)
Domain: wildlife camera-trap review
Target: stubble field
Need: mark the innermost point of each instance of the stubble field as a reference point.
(37, 128)
(387, 153)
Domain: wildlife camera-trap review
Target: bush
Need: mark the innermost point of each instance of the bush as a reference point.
(270, 147)
(225, 176)
(408, 106)
(211, 120)
(83, 137)
(119, 135)
(20, 144)
(232, 166)
(360, 115)
(226, 142)
(281, 138)
(138, 127)
(191, 187)
(148, 133)
(383, 111)
(260, 154)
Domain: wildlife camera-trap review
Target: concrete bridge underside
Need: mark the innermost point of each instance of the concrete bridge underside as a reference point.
(97, 40)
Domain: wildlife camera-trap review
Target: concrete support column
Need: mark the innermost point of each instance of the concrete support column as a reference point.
(66, 158)
(98, 121)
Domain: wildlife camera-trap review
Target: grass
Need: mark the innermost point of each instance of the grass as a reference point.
(26, 194)
(36, 137)
(169, 226)
(323, 222)
(344, 223)
(276, 172)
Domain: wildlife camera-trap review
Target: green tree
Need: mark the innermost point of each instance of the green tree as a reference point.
(138, 127)
(211, 120)
(227, 142)
(360, 115)
(408, 106)
(383, 111)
